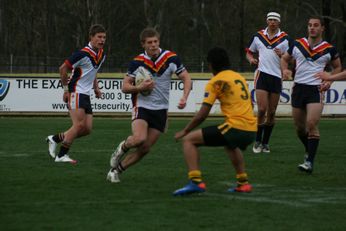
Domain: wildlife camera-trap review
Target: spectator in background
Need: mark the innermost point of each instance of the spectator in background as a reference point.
(268, 45)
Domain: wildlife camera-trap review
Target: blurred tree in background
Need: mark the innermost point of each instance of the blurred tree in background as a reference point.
(36, 36)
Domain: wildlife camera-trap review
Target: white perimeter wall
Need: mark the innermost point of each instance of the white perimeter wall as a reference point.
(45, 95)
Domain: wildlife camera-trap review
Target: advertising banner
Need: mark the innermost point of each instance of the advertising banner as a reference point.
(45, 95)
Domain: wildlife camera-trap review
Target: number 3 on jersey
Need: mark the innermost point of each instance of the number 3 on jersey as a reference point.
(244, 96)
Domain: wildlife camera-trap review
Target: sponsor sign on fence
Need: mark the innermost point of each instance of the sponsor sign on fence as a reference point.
(45, 95)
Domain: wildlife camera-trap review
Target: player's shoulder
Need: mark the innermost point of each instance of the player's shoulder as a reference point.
(77, 55)
(168, 55)
(301, 40)
(327, 44)
(88, 51)
(284, 35)
(168, 52)
(138, 58)
(227, 75)
(259, 33)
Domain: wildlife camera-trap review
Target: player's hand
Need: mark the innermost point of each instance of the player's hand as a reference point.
(182, 103)
(65, 96)
(286, 74)
(253, 61)
(322, 75)
(180, 135)
(278, 52)
(325, 85)
(98, 93)
(146, 85)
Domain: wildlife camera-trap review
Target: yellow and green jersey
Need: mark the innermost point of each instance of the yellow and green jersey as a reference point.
(231, 89)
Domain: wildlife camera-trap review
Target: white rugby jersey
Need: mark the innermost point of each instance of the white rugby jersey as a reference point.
(310, 61)
(84, 64)
(269, 61)
(162, 69)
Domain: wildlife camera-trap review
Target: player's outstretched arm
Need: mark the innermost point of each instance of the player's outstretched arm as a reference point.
(328, 77)
(201, 115)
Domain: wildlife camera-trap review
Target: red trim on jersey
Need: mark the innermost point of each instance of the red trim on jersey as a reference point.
(248, 51)
(77, 101)
(98, 57)
(68, 64)
(156, 67)
(304, 42)
(164, 59)
(273, 40)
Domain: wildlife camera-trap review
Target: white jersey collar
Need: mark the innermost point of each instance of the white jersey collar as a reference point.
(265, 32)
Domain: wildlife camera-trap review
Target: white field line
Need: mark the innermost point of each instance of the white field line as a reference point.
(31, 153)
(262, 194)
(297, 197)
(14, 155)
(260, 199)
(251, 197)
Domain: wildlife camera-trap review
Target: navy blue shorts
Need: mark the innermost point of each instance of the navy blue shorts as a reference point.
(269, 83)
(78, 100)
(304, 94)
(155, 118)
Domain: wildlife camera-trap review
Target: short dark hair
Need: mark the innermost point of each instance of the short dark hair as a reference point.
(148, 32)
(218, 59)
(317, 17)
(96, 28)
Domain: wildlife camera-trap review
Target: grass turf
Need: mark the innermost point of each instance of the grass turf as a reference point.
(38, 194)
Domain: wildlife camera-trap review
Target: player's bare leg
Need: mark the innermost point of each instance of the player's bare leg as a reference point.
(152, 135)
(190, 143)
(138, 137)
(81, 125)
(238, 163)
(142, 150)
(273, 100)
(262, 107)
(313, 115)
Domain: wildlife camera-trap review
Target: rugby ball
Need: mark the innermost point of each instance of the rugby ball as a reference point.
(141, 75)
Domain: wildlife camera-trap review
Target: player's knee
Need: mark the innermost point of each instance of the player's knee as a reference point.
(87, 131)
(311, 123)
(188, 140)
(79, 127)
(82, 129)
(301, 132)
(261, 112)
(143, 150)
(138, 140)
(300, 129)
(270, 118)
(311, 127)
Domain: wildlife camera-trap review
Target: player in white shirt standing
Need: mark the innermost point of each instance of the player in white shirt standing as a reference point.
(149, 113)
(84, 64)
(311, 55)
(269, 44)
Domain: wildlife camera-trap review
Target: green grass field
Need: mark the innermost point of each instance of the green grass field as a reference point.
(38, 194)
